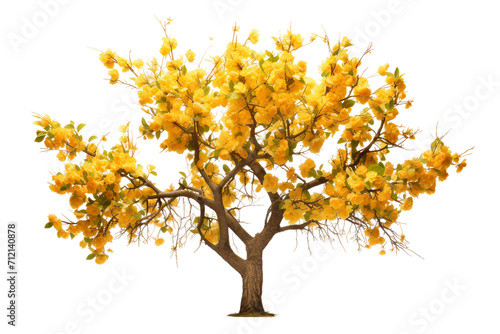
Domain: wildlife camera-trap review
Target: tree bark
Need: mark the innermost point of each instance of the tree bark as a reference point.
(251, 299)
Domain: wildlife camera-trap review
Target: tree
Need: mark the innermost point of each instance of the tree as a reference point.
(252, 121)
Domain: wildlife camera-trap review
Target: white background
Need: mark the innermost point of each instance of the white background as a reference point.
(448, 51)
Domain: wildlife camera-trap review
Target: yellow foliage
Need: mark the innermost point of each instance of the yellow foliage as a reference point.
(247, 105)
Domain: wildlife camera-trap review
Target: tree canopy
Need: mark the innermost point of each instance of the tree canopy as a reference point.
(251, 122)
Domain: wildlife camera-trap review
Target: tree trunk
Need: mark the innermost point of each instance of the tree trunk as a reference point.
(251, 299)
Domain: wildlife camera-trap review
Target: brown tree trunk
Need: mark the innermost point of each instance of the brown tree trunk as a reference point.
(251, 299)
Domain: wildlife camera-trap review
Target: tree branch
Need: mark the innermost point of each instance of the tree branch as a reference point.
(297, 227)
(314, 183)
(222, 248)
(365, 150)
(185, 193)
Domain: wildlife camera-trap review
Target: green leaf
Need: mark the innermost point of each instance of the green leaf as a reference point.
(308, 195)
(371, 121)
(393, 196)
(158, 85)
(233, 96)
(231, 86)
(69, 126)
(226, 168)
(307, 215)
(92, 138)
(377, 168)
(164, 229)
(325, 74)
(184, 70)
(272, 57)
(341, 141)
(389, 106)
(354, 145)
(260, 65)
(49, 225)
(348, 103)
(437, 171)
(217, 152)
(206, 90)
(399, 167)
(72, 236)
(91, 256)
(40, 138)
(183, 174)
(282, 205)
(368, 186)
(438, 143)
(396, 73)
(270, 88)
(312, 173)
(80, 126)
(88, 240)
(50, 134)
